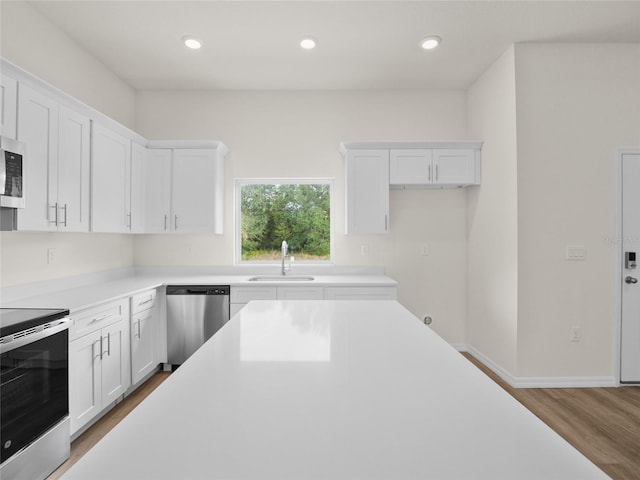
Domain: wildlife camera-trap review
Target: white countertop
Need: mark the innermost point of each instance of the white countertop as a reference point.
(330, 390)
(77, 296)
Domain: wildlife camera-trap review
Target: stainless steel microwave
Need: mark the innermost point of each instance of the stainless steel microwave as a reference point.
(12, 154)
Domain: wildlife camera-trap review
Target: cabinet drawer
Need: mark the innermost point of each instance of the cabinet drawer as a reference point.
(246, 294)
(92, 319)
(143, 301)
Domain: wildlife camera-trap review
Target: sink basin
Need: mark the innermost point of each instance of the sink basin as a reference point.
(281, 278)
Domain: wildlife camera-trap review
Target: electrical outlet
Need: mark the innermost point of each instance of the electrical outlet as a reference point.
(576, 334)
(364, 250)
(51, 255)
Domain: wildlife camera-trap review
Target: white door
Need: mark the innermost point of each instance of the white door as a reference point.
(110, 181)
(73, 171)
(410, 166)
(143, 341)
(85, 384)
(367, 192)
(454, 166)
(193, 194)
(158, 190)
(116, 375)
(38, 129)
(630, 322)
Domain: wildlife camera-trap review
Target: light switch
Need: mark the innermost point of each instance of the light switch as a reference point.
(576, 252)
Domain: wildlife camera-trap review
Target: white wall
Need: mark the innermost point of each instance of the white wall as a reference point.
(492, 303)
(576, 104)
(30, 41)
(296, 134)
(34, 44)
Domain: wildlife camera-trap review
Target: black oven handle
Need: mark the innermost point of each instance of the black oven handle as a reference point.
(10, 342)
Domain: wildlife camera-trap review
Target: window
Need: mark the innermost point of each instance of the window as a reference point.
(270, 211)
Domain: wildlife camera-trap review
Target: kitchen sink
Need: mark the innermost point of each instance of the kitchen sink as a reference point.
(281, 278)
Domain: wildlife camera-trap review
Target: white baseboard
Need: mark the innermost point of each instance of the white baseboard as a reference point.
(537, 382)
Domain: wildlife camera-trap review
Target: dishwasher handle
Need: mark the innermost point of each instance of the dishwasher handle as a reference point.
(197, 289)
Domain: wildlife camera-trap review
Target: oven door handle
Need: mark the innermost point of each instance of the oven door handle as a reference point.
(57, 326)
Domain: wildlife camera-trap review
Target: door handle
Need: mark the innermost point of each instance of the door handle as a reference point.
(630, 280)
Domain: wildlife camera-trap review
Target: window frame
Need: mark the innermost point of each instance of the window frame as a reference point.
(237, 242)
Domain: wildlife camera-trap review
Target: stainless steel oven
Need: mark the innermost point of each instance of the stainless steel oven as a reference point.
(34, 392)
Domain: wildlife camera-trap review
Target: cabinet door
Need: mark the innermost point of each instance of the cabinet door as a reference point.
(8, 106)
(110, 181)
(116, 374)
(85, 384)
(410, 166)
(143, 344)
(455, 167)
(38, 129)
(193, 176)
(73, 171)
(158, 195)
(138, 188)
(367, 191)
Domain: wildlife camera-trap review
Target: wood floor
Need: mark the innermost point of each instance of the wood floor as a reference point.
(602, 423)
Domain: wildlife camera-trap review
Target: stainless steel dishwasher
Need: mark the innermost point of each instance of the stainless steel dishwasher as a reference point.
(194, 314)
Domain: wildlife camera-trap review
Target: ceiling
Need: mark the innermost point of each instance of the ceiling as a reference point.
(254, 45)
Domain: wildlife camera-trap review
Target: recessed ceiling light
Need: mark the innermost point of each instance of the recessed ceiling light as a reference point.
(192, 43)
(308, 43)
(429, 43)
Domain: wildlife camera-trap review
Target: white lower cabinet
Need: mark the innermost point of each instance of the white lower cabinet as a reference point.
(144, 335)
(99, 366)
(360, 293)
(240, 296)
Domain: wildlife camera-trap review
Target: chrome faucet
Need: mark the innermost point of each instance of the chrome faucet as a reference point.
(285, 253)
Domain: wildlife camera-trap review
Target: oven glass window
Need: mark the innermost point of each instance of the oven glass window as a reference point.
(34, 391)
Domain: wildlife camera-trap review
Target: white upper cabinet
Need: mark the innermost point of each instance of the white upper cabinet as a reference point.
(410, 166)
(38, 129)
(110, 181)
(434, 167)
(57, 166)
(185, 188)
(158, 194)
(367, 191)
(74, 161)
(138, 187)
(194, 173)
(8, 106)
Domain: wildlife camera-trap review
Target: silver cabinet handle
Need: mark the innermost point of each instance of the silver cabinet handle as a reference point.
(175, 222)
(93, 349)
(386, 223)
(139, 334)
(65, 214)
(145, 302)
(129, 220)
(55, 209)
(108, 351)
(429, 172)
(437, 172)
(165, 221)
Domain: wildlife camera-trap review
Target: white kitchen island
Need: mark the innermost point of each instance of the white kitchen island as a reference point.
(330, 390)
